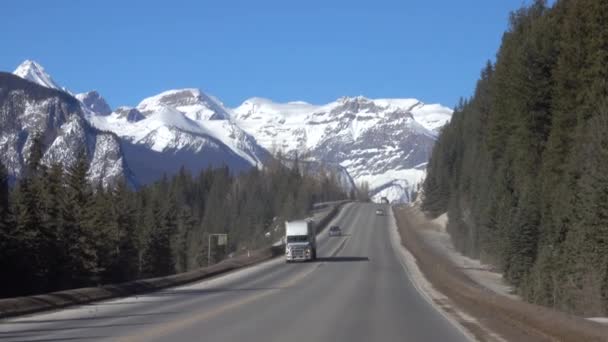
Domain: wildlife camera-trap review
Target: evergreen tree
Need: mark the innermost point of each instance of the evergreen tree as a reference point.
(78, 234)
(123, 209)
(520, 168)
(71, 233)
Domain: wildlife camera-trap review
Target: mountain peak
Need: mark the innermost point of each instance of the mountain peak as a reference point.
(95, 102)
(193, 102)
(350, 99)
(34, 72)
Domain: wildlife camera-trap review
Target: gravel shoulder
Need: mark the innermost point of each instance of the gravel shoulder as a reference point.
(480, 293)
(436, 236)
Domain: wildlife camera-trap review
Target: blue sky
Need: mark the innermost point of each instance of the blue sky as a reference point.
(285, 50)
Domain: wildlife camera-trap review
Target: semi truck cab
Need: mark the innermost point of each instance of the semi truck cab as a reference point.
(300, 241)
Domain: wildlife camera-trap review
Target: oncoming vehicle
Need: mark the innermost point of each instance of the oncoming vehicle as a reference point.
(335, 231)
(300, 241)
(379, 212)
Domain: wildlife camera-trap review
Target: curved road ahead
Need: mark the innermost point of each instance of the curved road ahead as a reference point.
(356, 291)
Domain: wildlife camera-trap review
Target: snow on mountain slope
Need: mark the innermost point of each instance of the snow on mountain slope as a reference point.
(27, 108)
(274, 125)
(94, 102)
(91, 101)
(180, 127)
(206, 116)
(192, 102)
(433, 116)
(175, 128)
(34, 72)
(167, 139)
(129, 114)
(430, 116)
(384, 142)
(396, 185)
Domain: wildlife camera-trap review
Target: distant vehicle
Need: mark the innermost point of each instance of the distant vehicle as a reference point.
(335, 231)
(300, 241)
(379, 212)
(384, 200)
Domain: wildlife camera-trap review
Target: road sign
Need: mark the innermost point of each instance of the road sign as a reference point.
(222, 240)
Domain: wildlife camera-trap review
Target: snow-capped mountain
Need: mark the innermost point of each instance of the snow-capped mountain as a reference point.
(129, 114)
(195, 104)
(94, 102)
(384, 142)
(183, 127)
(27, 108)
(34, 72)
(165, 132)
(91, 101)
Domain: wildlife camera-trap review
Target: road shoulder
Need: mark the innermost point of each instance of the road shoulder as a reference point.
(495, 316)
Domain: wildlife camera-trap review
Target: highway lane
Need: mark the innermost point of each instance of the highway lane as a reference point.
(356, 291)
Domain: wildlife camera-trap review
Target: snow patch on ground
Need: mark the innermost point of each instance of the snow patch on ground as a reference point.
(601, 320)
(438, 238)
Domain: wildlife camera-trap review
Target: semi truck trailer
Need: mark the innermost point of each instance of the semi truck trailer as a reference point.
(300, 241)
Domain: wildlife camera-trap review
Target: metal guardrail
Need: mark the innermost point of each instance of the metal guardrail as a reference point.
(56, 300)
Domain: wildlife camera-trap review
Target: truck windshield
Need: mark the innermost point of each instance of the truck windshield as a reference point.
(297, 238)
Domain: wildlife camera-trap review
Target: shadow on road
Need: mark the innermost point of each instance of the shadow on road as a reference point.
(39, 321)
(47, 330)
(206, 291)
(342, 259)
(121, 302)
(78, 338)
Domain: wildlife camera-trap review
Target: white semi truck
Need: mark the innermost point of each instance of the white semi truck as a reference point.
(300, 241)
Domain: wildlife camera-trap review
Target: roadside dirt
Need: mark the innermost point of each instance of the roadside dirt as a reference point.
(512, 319)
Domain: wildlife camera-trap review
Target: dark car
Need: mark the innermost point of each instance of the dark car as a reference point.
(379, 212)
(335, 231)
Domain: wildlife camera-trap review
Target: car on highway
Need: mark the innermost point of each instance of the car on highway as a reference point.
(335, 231)
(379, 212)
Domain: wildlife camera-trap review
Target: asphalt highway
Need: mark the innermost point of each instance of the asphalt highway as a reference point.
(356, 291)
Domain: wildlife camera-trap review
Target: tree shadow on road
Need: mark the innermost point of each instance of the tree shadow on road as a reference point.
(343, 259)
(67, 329)
(78, 338)
(43, 321)
(198, 292)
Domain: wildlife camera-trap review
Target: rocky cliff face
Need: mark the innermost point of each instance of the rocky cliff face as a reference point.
(27, 109)
(94, 102)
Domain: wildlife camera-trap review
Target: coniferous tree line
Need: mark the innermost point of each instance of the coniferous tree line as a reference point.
(58, 231)
(522, 169)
